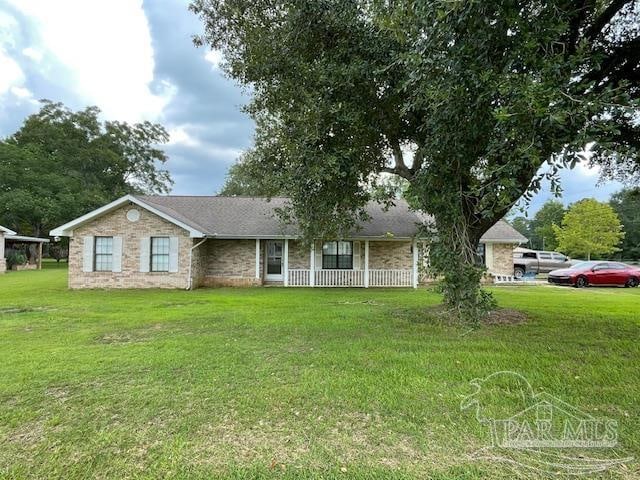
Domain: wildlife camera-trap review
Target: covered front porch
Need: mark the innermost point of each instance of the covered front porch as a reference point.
(289, 262)
(350, 263)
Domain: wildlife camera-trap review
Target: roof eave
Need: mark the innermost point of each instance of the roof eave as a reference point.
(504, 240)
(24, 238)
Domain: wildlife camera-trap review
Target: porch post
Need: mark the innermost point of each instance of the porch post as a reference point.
(258, 258)
(312, 264)
(39, 255)
(366, 264)
(286, 262)
(415, 263)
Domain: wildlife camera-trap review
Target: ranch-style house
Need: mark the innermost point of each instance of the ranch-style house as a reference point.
(192, 241)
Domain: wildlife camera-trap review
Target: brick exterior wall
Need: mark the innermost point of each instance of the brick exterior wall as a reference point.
(503, 258)
(116, 224)
(3, 262)
(299, 256)
(389, 255)
(231, 263)
(199, 262)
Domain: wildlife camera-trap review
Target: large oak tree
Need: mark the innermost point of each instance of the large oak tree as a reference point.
(61, 164)
(464, 99)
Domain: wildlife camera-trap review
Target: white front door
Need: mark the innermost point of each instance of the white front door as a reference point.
(274, 256)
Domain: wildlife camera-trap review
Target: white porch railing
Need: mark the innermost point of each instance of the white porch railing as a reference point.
(339, 278)
(390, 278)
(299, 278)
(351, 278)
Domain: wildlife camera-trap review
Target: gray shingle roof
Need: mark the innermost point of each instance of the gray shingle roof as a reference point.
(503, 232)
(256, 217)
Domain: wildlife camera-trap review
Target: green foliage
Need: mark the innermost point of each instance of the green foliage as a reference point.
(589, 228)
(61, 164)
(16, 258)
(626, 203)
(522, 225)
(58, 251)
(243, 179)
(543, 236)
(482, 94)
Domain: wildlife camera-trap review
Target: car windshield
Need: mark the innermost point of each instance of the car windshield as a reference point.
(582, 265)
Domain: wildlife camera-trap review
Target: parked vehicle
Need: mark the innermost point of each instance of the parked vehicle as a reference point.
(597, 273)
(534, 261)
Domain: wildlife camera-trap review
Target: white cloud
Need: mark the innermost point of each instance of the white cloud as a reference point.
(33, 53)
(214, 57)
(10, 72)
(588, 170)
(11, 75)
(21, 92)
(106, 47)
(180, 136)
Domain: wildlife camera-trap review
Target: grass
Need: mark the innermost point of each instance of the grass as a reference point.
(289, 383)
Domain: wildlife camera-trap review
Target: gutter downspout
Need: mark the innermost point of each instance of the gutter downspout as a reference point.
(190, 280)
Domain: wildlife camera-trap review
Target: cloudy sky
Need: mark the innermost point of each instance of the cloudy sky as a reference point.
(134, 59)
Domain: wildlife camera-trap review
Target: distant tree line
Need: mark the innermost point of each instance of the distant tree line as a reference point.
(609, 229)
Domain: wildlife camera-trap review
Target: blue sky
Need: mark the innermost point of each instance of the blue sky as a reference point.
(135, 60)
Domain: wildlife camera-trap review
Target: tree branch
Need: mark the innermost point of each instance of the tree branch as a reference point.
(605, 17)
(615, 64)
(579, 16)
(400, 168)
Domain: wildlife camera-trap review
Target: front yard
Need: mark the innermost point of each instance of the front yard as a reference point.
(286, 383)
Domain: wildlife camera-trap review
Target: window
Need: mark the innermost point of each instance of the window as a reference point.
(559, 257)
(529, 255)
(481, 254)
(103, 254)
(159, 254)
(337, 255)
(544, 256)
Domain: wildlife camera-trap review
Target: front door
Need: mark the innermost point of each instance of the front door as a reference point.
(274, 260)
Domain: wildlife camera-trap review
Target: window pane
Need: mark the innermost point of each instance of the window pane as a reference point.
(329, 261)
(344, 248)
(103, 263)
(104, 245)
(329, 248)
(103, 259)
(274, 265)
(160, 245)
(345, 261)
(480, 254)
(160, 263)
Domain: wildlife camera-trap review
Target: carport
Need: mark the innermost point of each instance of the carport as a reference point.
(31, 246)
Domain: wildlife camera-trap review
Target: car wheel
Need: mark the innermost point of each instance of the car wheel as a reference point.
(581, 282)
(518, 272)
(632, 282)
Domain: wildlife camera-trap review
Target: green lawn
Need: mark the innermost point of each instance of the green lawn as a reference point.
(287, 383)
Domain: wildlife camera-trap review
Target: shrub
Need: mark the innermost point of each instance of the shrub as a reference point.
(16, 258)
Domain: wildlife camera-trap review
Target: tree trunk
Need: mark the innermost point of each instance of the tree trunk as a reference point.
(453, 259)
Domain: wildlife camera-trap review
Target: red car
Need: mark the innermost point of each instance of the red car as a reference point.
(584, 274)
